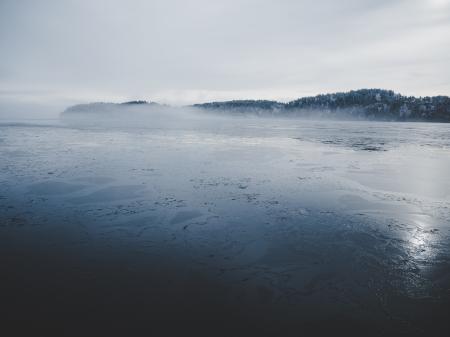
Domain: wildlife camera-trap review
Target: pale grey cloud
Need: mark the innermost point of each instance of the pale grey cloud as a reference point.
(183, 51)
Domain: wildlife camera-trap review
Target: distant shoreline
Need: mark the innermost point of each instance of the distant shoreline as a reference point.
(363, 104)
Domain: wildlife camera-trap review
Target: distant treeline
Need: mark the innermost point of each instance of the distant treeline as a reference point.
(375, 104)
(367, 104)
(101, 107)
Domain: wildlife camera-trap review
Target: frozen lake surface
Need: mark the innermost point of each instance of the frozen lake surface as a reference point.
(241, 227)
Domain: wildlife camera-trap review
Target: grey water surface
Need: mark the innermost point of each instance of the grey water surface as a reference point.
(244, 227)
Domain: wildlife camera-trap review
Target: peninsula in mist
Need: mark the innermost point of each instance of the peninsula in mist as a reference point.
(364, 104)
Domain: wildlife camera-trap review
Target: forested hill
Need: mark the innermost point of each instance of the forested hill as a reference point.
(365, 104)
(376, 104)
(101, 107)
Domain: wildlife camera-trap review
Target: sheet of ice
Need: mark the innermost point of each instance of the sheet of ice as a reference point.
(323, 217)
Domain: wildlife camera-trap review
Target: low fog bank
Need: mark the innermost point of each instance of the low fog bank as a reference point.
(364, 105)
(135, 114)
(18, 111)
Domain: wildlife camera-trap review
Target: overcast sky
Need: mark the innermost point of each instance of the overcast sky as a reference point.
(181, 51)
